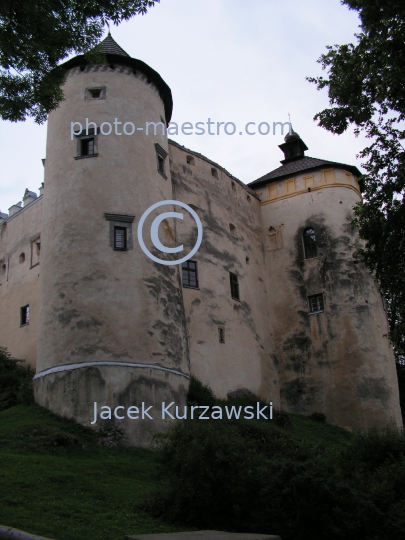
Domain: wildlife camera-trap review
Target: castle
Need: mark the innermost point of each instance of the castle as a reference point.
(274, 300)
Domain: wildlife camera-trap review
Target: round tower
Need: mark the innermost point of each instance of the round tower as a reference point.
(111, 321)
(329, 324)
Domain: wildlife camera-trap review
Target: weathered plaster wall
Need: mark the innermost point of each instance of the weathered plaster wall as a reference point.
(99, 304)
(339, 361)
(19, 281)
(245, 359)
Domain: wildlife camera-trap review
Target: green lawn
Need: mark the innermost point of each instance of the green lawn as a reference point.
(57, 481)
(71, 492)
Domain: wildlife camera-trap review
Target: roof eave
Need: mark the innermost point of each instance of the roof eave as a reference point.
(152, 75)
(350, 168)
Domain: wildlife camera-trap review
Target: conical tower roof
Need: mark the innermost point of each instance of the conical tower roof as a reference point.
(110, 46)
(115, 55)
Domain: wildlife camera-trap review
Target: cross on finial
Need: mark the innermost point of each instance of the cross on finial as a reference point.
(108, 25)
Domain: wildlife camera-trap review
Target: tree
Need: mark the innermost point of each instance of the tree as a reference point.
(35, 35)
(366, 84)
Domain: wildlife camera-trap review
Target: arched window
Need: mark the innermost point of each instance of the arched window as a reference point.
(310, 244)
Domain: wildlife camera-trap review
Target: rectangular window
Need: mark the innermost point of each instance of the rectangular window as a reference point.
(24, 315)
(234, 286)
(87, 147)
(189, 274)
(316, 304)
(221, 334)
(161, 155)
(120, 238)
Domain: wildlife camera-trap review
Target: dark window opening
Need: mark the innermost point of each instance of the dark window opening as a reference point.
(161, 164)
(21, 258)
(96, 93)
(189, 274)
(120, 238)
(310, 244)
(87, 147)
(214, 172)
(221, 334)
(316, 304)
(161, 155)
(24, 315)
(234, 286)
(190, 160)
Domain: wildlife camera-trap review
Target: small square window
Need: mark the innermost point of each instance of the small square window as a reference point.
(234, 286)
(95, 93)
(221, 334)
(190, 160)
(24, 315)
(120, 238)
(189, 274)
(316, 304)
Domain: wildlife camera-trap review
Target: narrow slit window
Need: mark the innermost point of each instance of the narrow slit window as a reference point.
(310, 244)
(161, 155)
(234, 286)
(189, 274)
(24, 315)
(316, 304)
(221, 334)
(120, 238)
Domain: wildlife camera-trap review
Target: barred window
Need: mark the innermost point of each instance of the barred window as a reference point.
(120, 238)
(310, 244)
(234, 286)
(316, 304)
(24, 315)
(189, 273)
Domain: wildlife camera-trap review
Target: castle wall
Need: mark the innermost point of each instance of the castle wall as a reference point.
(111, 317)
(19, 281)
(337, 361)
(245, 358)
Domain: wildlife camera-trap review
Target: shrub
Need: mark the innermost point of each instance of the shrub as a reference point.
(200, 393)
(318, 417)
(15, 381)
(238, 476)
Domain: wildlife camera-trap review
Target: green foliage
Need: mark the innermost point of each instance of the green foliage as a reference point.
(199, 393)
(318, 417)
(238, 476)
(15, 381)
(35, 35)
(366, 89)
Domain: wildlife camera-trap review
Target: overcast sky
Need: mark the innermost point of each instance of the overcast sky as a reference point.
(227, 60)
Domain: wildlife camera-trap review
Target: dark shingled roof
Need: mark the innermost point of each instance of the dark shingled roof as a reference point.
(115, 55)
(110, 46)
(304, 164)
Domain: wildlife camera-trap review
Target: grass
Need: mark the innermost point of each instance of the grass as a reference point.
(58, 482)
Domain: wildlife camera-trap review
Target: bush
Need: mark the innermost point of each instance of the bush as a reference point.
(235, 476)
(15, 381)
(199, 393)
(318, 417)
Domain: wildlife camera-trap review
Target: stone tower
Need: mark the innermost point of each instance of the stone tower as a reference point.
(328, 319)
(111, 324)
